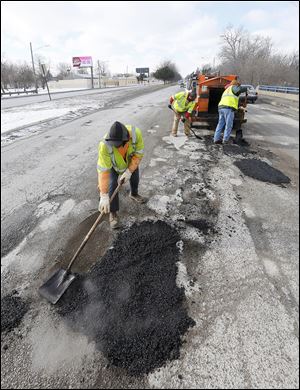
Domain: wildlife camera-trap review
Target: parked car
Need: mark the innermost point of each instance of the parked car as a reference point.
(251, 93)
(181, 83)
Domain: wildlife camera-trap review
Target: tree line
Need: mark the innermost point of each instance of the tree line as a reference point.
(255, 61)
(21, 76)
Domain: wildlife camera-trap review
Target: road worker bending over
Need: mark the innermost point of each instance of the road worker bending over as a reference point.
(183, 103)
(119, 155)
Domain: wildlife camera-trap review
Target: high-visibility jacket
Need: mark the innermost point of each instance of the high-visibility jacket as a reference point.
(109, 156)
(181, 104)
(229, 99)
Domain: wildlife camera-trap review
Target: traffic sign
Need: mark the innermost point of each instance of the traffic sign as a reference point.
(142, 70)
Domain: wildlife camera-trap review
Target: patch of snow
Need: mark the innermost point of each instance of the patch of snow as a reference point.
(179, 245)
(154, 161)
(13, 120)
(159, 203)
(182, 280)
(46, 208)
(178, 141)
(236, 182)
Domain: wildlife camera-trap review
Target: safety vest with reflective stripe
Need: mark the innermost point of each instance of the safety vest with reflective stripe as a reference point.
(109, 156)
(181, 104)
(229, 99)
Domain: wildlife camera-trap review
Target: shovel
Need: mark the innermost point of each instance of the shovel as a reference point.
(57, 284)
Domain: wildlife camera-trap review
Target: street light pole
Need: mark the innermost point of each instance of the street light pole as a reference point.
(33, 68)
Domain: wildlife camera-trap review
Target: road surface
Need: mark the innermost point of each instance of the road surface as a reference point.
(240, 280)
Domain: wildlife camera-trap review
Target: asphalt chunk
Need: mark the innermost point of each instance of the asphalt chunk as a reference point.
(13, 309)
(262, 171)
(129, 303)
(200, 224)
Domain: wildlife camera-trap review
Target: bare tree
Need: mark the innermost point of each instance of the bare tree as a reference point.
(64, 70)
(102, 67)
(16, 76)
(25, 77)
(253, 59)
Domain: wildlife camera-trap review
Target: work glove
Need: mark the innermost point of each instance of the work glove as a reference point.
(125, 176)
(104, 203)
(171, 99)
(187, 115)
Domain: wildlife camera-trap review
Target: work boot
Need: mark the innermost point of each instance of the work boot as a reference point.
(218, 142)
(226, 142)
(138, 198)
(113, 220)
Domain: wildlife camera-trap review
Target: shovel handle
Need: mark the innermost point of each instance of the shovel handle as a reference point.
(92, 228)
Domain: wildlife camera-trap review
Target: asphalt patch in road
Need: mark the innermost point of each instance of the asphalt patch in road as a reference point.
(233, 150)
(13, 309)
(129, 303)
(201, 224)
(262, 171)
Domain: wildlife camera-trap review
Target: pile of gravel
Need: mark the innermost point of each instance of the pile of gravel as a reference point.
(129, 303)
(262, 171)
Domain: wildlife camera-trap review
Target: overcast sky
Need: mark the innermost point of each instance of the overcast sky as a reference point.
(139, 34)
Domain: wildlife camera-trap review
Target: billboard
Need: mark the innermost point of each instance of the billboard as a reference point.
(142, 70)
(82, 62)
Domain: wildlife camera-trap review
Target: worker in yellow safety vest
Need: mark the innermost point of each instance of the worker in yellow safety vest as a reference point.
(228, 105)
(119, 156)
(183, 103)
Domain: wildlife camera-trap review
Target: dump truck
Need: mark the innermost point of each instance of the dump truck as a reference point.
(209, 89)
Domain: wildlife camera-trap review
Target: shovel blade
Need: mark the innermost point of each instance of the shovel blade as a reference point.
(56, 285)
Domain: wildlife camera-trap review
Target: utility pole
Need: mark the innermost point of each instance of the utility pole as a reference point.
(99, 73)
(43, 67)
(92, 77)
(33, 69)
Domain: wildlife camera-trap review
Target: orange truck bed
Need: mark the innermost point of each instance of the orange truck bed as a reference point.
(209, 91)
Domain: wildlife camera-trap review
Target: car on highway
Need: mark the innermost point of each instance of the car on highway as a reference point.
(251, 93)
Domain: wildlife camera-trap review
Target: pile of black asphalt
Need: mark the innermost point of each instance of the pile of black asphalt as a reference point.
(262, 171)
(129, 303)
(13, 309)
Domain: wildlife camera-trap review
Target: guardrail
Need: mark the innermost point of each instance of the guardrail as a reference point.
(277, 88)
(21, 92)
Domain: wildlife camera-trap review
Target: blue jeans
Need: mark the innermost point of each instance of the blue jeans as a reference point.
(113, 183)
(226, 117)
